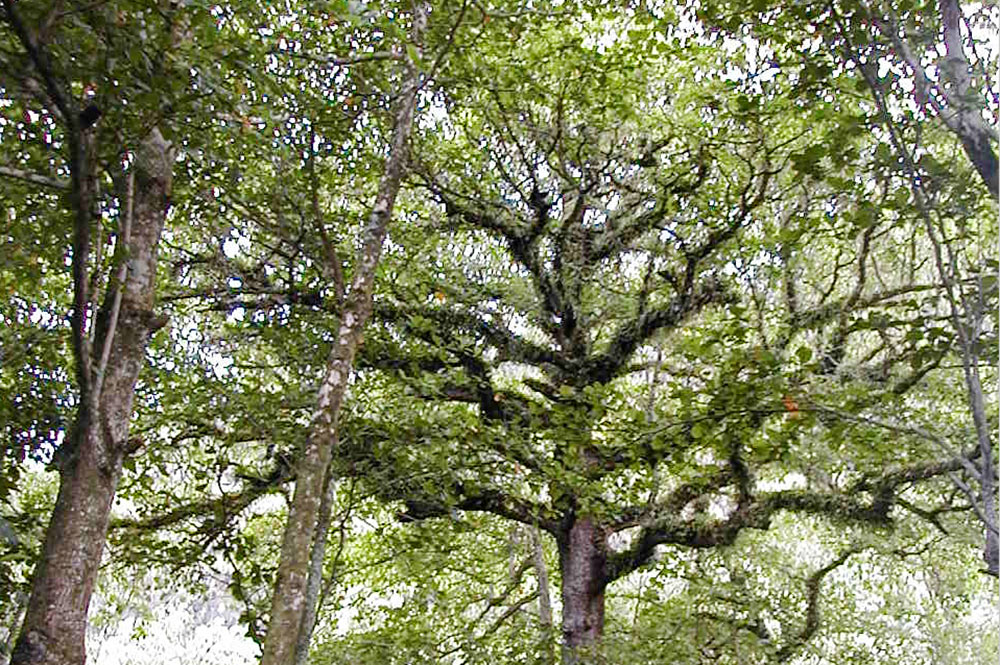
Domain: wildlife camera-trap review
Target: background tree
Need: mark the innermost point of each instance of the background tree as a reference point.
(924, 68)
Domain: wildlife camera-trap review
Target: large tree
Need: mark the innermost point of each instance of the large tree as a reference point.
(611, 220)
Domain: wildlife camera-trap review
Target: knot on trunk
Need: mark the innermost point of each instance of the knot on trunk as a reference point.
(155, 160)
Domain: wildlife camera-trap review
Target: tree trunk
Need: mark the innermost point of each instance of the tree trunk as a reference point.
(291, 598)
(583, 563)
(314, 581)
(964, 114)
(91, 458)
(544, 601)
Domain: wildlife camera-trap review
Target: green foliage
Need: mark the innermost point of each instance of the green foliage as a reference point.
(574, 165)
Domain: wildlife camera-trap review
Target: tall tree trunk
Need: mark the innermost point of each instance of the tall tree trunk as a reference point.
(583, 563)
(91, 458)
(964, 114)
(291, 598)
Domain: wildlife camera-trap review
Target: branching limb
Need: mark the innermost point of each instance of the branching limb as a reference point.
(605, 366)
(668, 527)
(483, 500)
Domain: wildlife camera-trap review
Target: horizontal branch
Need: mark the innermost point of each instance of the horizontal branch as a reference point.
(222, 507)
(62, 184)
(513, 347)
(853, 507)
(488, 501)
(817, 316)
(756, 515)
(343, 61)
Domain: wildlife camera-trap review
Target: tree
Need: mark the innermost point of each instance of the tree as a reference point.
(657, 289)
(74, 68)
(291, 602)
(536, 368)
(925, 70)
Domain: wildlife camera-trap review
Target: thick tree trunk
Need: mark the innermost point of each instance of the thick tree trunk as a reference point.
(583, 562)
(291, 597)
(56, 620)
(91, 460)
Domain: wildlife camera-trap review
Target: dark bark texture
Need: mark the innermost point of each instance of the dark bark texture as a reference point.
(583, 563)
(91, 460)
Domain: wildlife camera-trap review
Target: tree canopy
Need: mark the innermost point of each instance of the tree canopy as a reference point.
(502, 332)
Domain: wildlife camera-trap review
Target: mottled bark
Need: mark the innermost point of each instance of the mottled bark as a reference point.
(290, 600)
(314, 581)
(583, 563)
(952, 95)
(544, 599)
(91, 459)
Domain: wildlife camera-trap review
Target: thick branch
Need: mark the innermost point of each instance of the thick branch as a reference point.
(669, 528)
(40, 60)
(488, 501)
(513, 347)
(757, 515)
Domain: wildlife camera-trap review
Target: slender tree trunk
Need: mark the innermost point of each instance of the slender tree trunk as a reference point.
(964, 115)
(544, 600)
(315, 580)
(91, 458)
(583, 562)
(20, 605)
(291, 598)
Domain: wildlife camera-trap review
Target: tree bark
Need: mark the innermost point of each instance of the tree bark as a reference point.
(583, 563)
(314, 581)
(291, 598)
(544, 601)
(964, 114)
(91, 458)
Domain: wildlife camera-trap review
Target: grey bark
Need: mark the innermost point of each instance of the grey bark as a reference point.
(290, 599)
(91, 459)
(961, 115)
(954, 99)
(964, 113)
(315, 580)
(544, 599)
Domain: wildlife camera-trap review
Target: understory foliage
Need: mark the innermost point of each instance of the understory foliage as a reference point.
(692, 304)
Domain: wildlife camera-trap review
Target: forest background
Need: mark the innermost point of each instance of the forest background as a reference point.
(486, 332)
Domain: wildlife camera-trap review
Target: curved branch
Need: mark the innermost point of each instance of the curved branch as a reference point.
(812, 606)
(605, 366)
